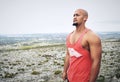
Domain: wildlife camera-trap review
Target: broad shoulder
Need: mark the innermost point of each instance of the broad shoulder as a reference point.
(92, 37)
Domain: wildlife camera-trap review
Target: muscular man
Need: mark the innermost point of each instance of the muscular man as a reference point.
(83, 57)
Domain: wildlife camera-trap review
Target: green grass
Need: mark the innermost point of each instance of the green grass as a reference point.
(1, 62)
(35, 72)
(34, 47)
(21, 69)
(9, 75)
(57, 72)
(26, 47)
(101, 78)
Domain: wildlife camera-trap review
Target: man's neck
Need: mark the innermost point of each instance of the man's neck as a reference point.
(80, 28)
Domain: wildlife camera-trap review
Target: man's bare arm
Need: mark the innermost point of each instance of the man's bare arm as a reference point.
(66, 65)
(95, 50)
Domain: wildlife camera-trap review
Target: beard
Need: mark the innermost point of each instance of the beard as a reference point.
(75, 24)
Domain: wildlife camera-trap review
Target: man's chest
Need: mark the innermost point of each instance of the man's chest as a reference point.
(78, 39)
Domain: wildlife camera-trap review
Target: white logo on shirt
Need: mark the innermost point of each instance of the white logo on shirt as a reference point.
(73, 52)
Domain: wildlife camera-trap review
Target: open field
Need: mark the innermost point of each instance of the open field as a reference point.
(32, 64)
(42, 61)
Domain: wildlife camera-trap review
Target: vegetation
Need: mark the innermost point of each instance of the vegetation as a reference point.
(35, 72)
(47, 60)
(57, 72)
(101, 78)
(9, 75)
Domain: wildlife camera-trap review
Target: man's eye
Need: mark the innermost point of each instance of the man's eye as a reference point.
(76, 15)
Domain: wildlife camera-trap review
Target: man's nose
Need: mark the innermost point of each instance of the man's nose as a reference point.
(74, 18)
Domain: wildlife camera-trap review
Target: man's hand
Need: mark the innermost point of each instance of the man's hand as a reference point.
(64, 76)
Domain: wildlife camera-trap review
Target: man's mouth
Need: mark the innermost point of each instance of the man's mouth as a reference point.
(74, 21)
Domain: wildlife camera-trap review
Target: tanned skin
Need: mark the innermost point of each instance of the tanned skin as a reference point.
(90, 42)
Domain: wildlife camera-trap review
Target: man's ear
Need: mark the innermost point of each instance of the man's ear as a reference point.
(85, 18)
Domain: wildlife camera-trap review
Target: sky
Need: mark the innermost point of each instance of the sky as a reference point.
(56, 16)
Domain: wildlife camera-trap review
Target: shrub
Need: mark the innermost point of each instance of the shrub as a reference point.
(9, 75)
(35, 73)
(57, 72)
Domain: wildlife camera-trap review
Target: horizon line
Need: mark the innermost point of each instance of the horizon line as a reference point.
(51, 33)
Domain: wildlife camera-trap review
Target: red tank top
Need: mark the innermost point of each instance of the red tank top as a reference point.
(80, 60)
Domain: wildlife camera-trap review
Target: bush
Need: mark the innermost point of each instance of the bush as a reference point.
(35, 73)
(57, 72)
(9, 75)
(101, 79)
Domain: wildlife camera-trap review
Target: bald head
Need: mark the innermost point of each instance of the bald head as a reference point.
(80, 17)
(84, 12)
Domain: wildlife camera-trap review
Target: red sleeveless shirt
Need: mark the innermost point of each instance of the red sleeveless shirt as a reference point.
(80, 60)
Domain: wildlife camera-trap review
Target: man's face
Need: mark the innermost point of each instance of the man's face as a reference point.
(78, 17)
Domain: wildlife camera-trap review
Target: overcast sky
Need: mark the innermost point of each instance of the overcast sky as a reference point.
(55, 16)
